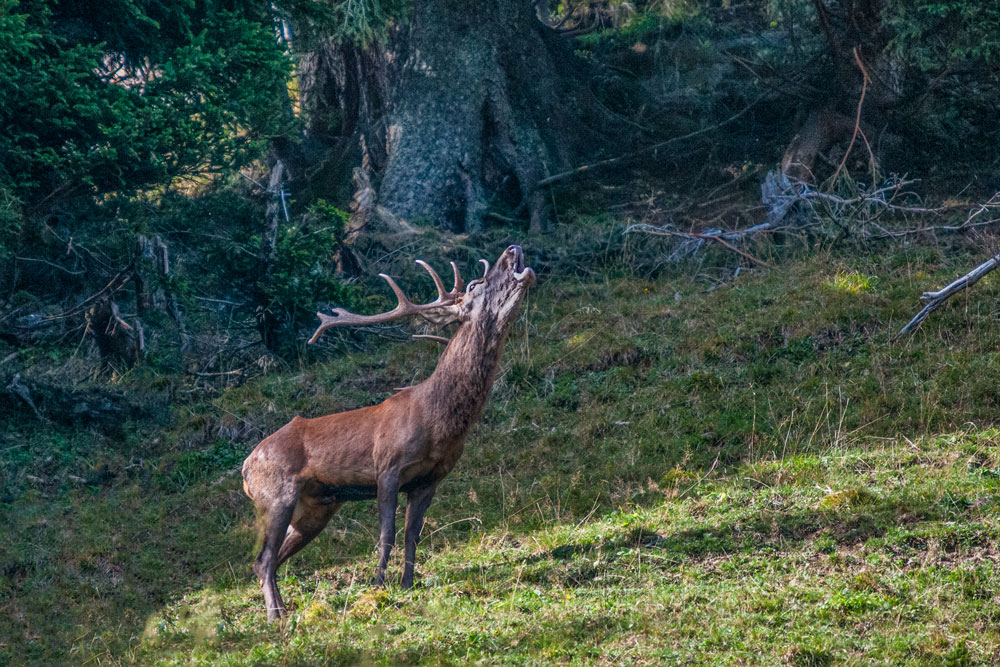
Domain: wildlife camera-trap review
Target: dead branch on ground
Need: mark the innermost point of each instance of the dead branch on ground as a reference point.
(936, 299)
(694, 240)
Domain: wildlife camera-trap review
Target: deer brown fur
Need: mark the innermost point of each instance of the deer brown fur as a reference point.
(299, 476)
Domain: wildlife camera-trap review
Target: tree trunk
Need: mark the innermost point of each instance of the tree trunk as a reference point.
(117, 340)
(821, 130)
(462, 109)
(479, 113)
(856, 39)
(276, 211)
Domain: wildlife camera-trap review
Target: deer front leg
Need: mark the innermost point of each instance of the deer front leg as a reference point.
(388, 498)
(417, 502)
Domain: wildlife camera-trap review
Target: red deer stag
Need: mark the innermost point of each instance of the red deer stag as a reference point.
(300, 475)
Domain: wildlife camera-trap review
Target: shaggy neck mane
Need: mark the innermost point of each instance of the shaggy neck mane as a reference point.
(464, 375)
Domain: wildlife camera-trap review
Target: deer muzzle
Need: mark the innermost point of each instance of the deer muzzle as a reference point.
(522, 274)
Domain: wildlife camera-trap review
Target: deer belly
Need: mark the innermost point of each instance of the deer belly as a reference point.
(327, 494)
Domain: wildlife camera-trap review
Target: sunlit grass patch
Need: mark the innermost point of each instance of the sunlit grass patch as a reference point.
(735, 572)
(854, 282)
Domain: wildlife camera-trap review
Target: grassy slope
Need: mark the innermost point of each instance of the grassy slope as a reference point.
(752, 475)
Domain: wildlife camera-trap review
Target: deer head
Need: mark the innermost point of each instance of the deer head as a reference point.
(493, 298)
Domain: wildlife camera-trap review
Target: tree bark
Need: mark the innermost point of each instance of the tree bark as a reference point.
(479, 113)
(462, 109)
(821, 130)
(276, 211)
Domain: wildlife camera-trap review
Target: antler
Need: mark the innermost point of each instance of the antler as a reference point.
(438, 311)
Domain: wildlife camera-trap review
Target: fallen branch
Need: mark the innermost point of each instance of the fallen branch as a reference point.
(936, 299)
(730, 235)
(717, 235)
(970, 221)
(780, 194)
(729, 245)
(876, 196)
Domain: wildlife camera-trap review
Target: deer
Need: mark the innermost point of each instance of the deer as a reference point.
(299, 476)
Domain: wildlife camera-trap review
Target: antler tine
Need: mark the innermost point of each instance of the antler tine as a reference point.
(400, 296)
(458, 279)
(442, 293)
(486, 267)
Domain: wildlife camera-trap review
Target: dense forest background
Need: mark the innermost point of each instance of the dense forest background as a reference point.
(168, 164)
(184, 184)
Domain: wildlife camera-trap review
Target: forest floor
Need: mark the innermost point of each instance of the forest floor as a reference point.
(751, 474)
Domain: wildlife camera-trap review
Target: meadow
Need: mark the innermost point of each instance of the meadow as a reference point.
(670, 470)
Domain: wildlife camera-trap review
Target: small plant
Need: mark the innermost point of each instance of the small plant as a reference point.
(303, 277)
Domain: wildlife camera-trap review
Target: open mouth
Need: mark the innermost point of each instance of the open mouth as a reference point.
(522, 273)
(518, 259)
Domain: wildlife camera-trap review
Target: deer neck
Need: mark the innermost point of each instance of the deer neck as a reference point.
(461, 382)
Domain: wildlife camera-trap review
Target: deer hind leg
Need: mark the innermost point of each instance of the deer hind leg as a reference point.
(274, 523)
(308, 521)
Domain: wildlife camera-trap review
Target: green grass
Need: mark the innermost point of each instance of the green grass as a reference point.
(882, 554)
(755, 474)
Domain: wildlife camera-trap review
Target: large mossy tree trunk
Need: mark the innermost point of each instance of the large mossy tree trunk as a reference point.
(479, 113)
(462, 109)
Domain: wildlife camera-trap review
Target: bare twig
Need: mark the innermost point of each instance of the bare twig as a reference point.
(117, 283)
(729, 245)
(857, 120)
(48, 263)
(781, 193)
(970, 221)
(716, 235)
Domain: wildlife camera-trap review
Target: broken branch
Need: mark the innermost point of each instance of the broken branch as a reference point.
(716, 235)
(936, 299)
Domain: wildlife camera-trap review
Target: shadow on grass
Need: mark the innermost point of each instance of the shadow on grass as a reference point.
(901, 526)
